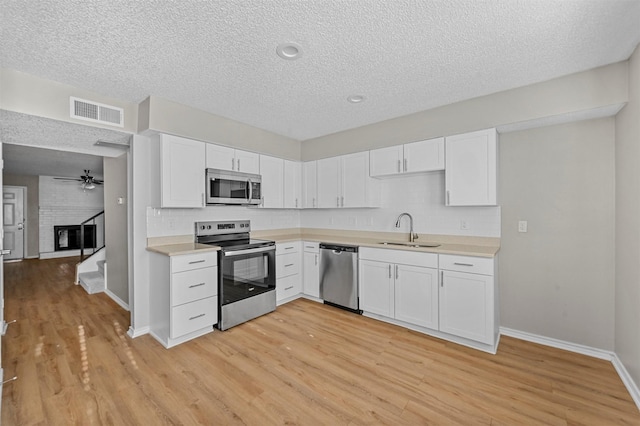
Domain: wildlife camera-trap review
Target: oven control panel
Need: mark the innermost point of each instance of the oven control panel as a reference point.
(222, 227)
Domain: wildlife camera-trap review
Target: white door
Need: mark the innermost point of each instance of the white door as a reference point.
(220, 157)
(416, 295)
(386, 161)
(311, 274)
(376, 288)
(182, 172)
(292, 184)
(13, 221)
(310, 185)
(247, 162)
(471, 167)
(272, 171)
(466, 305)
(424, 156)
(355, 174)
(328, 182)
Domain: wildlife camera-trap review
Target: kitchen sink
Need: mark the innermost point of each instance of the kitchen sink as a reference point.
(409, 244)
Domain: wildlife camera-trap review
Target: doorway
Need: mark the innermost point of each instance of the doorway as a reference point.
(14, 221)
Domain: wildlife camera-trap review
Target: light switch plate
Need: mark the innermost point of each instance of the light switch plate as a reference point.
(522, 226)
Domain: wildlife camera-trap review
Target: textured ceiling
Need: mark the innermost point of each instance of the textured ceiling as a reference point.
(404, 56)
(69, 147)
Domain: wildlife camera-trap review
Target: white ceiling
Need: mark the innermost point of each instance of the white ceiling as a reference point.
(404, 56)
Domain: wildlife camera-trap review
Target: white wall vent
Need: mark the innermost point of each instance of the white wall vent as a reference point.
(95, 112)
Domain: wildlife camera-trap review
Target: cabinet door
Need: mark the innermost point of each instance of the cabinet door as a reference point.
(292, 184)
(355, 176)
(247, 162)
(376, 288)
(386, 161)
(470, 169)
(416, 295)
(272, 170)
(220, 157)
(466, 305)
(311, 274)
(288, 287)
(182, 173)
(310, 184)
(328, 182)
(424, 156)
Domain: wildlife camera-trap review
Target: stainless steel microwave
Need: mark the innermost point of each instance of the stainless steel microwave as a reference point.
(227, 187)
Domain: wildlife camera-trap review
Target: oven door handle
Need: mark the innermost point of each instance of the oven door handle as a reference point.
(248, 251)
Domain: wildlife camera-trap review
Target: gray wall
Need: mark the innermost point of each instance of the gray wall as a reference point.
(557, 280)
(627, 318)
(33, 228)
(116, 230)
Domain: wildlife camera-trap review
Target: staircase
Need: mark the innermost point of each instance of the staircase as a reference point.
(91, 273)
(93, 281)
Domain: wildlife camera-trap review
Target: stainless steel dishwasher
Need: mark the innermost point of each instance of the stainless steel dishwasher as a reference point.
(339, 276)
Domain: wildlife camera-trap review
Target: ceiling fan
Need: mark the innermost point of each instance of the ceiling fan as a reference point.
(87, 181)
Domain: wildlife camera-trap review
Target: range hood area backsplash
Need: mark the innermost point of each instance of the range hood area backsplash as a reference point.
(420, 195)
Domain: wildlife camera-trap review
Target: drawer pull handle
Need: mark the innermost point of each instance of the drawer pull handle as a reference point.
(289, 248)
(196, 261)
(463, 264)
(288, 288)
(197, 316)
(290, 264)
(196, 285)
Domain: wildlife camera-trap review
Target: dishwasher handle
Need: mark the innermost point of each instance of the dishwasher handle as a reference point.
(336, 248)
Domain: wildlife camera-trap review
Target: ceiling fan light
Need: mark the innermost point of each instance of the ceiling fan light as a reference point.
(89, 185)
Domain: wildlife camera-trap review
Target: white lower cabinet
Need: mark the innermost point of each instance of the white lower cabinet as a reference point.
(467, 298)
(183, 296)
(288, 277)
(311, 269)
(452, 297)
(400, 285)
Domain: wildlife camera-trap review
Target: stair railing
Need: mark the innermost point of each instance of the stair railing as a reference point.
(99, 233)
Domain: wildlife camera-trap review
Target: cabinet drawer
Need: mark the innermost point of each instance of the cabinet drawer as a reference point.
(290, 247)
(402, 257)
(194, 316)
(311, 247)
(188, 286)
(288, 287)
(287, 264)
(475, 265)
(188, 262)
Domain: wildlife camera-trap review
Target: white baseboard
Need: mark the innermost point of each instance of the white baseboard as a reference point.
(626, 378)
(116, 299)
(560, 344)
(57, 254)
(137, 332)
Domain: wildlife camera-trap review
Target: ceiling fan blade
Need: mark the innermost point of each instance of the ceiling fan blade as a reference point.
(66, 178)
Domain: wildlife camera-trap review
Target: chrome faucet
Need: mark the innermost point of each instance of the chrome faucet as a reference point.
(412, 236)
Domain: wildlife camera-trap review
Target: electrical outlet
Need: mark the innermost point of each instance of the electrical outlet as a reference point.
(522, 226)
(464, 225)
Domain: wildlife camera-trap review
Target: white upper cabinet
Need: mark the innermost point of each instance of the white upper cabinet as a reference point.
(471, 169)
(182, 172)
(292, 184)
(415, 157)
(225, 158)
(272, 187)
(387, 161)
(309, 184)
(344, 182)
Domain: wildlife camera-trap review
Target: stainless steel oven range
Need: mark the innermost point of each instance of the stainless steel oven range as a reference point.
(246, 271)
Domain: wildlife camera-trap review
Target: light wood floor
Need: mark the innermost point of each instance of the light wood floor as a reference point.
(306, 364)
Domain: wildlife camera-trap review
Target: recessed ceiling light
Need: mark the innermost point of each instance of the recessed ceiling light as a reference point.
(289, 51)
(355, 99)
